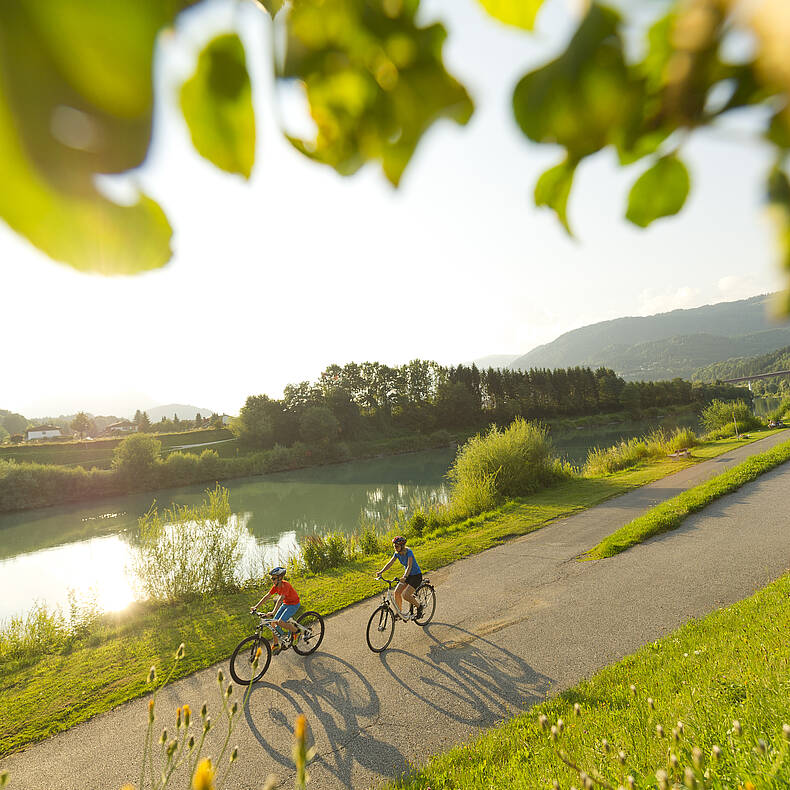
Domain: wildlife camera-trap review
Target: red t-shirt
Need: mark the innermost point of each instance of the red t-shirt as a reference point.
(288, 593)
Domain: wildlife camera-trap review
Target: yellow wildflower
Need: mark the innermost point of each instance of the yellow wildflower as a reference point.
(204, 776)
(301, 723)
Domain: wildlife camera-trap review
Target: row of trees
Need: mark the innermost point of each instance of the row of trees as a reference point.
(371, 399)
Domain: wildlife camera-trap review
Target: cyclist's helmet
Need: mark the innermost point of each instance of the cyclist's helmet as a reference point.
(398, 540)
(277, 573)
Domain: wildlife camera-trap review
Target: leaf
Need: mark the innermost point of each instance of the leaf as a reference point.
(553, 189)
(375, 81)
(659, 192)
(76, 101)
(86, 231)
(778, 131)
(582, 99)
(217, 106)
(778, 195)
(520, 13)
(272, 6)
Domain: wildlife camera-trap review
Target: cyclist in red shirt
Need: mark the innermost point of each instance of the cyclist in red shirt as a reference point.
(285, 608)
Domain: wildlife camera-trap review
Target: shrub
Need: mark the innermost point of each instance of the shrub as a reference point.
(369, 540)
(322, 552)
(188, 551)
(779, 412)
(681, 439)
(624, 454)
(417, 523)
(517, 461)
(718, 414)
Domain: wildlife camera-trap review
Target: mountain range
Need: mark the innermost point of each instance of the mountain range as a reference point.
(666, 345)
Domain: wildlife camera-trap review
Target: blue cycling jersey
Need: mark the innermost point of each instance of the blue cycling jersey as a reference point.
(404, 560)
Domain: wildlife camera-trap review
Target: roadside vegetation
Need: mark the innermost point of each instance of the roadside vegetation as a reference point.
(704, 707)
(671, 514)
(86, 671)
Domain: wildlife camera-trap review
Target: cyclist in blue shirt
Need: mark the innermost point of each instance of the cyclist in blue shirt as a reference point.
(411, 579)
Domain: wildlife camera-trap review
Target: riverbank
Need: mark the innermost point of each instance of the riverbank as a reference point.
(108, 665)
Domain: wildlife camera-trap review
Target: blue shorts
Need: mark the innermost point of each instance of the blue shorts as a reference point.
(285, 612)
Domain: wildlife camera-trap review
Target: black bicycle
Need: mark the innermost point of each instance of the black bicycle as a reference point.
(243, 667)
(381, 626)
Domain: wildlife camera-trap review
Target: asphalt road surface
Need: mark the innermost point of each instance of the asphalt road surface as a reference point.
(513, 625)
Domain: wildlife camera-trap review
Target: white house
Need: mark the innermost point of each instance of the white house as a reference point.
(42, 432)
(122, 426)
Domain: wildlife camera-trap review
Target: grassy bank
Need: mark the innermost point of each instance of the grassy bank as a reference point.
(688, 689)
(671, 514)
(107, 665)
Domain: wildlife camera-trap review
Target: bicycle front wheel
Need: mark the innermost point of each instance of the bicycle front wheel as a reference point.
(381, 628)
(242, 663)
(312, 637)
(427, 597)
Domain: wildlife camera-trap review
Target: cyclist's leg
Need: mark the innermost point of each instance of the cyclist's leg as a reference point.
(411, 586)
(284, 615)
(399, 590)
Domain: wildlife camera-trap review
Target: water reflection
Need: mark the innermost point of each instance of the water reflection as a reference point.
(90, 548)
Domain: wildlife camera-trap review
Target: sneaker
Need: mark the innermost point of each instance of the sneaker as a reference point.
(296, 637)
(419, 612)
(278, 648)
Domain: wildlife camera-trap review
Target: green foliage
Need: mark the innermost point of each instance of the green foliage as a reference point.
(217, 106)
(717, 415)
(781, 410)
(322, 552)
(318, 426)
(77, 101)
(136, 456)
(631, 452)
(190, 550)
(554, 188)
(671, 514)
(374, 79)
(659, 192)
(520, 13)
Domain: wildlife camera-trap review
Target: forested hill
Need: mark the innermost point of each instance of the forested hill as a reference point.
(668, 344)
(745, 366)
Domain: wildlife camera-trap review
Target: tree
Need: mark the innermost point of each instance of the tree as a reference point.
(318, 426)
(142, 421)
(14, 423)
(135, 457)
(83, 424)
(260, 423)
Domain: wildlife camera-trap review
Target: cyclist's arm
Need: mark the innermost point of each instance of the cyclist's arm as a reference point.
(265, 598)
(386, 567)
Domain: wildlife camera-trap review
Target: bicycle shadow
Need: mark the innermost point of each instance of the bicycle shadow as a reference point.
(460, 680)
(334, 696)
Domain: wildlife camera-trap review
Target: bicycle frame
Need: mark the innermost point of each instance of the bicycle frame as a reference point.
(268, 622)
(389, 595)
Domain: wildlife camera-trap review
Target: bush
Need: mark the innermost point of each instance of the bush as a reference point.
(718, 414)
(624, 454)
(322, 552)
(681, 439)
(190, 551)
(135, 457)
(516, 461)
(779, 412)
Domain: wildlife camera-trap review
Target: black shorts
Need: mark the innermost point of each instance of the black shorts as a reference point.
(415, 580)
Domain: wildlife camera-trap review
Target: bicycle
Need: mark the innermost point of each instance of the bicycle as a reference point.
(381, 626)
(242, 669)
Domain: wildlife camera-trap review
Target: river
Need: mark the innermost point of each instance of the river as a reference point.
(88, 549)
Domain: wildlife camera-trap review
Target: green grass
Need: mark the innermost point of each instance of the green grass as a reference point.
(99, 453)
(670, 514)
(732, 665)
(110, 665)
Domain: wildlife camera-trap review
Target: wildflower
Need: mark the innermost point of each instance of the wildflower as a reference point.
(191, 742)
(630, 781)
(299, 729)
(187, 714)
(696, 756)
(152, 674)
(587, 783)
(650, 703)
(257, 658)
(229, 690)
(680, 727)
(560, 725)
(577, 709)
(605, 745)
(554, 732)
(151, 709)
(675, 734)
(659, 731)
(555, 785)
(673, 761)
(786, 731)
(234, 754)
(621, 757)
(633, 689)
(171, 748)
(235, 709)
(203, 778)
(204, 710)
(180, 652)
(736, 727)
(220, 676)
(543, 720)
(207, 724)
(761, 746)
(689, 778)
(163, 737)
(178, 718)
(662, 779)
(715, 753)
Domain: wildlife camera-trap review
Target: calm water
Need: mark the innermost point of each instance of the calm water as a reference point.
(88, 549)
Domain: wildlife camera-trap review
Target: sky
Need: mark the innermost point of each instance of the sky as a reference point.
(275, 278)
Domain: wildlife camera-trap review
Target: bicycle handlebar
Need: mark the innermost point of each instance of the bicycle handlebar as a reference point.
(390, 582)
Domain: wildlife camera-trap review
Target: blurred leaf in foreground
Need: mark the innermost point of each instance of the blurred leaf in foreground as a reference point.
(659, 192)
(76, 100)
(217, 106)
(520, 13)
(375, 81)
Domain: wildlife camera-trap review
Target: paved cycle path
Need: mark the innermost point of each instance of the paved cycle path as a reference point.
(513, 625)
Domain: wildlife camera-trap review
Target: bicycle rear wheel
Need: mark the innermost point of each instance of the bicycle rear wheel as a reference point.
(427, 597)
(381, 628)
(243, 658)
(310, 639)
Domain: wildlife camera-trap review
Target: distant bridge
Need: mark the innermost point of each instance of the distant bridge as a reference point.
(756, 376)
